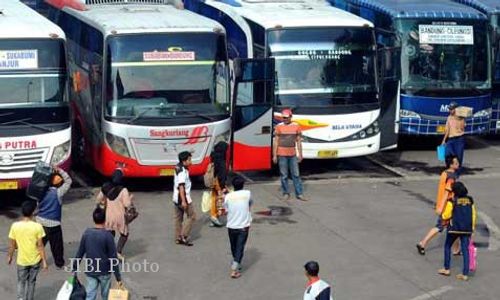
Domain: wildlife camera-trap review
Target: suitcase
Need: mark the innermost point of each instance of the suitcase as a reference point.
(39, 181)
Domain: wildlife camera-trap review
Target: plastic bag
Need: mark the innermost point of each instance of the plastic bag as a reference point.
(118, 294)
(66, 289)
(441, 152)
(472, 256)
(206, 201)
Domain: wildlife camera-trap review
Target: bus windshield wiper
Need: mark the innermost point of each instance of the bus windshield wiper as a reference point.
(139, 115)
(197, 114)
(25, 122)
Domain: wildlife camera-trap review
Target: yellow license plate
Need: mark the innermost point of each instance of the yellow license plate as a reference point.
(328, 153)
(441, 128)
(9, 185)
(167, 172)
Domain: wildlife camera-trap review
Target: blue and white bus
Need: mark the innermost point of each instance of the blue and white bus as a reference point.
(439, 52)
(325, 62)
(491, 8)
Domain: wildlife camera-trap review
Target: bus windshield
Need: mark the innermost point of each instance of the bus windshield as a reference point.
(32, 73)
(444, 55)
(163, 76)
(324, 66)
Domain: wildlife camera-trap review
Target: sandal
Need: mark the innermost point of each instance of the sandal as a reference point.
(457, 253)
(235, 274)
(420, 249)
(444, 272)
(186, 242)
(462, 277)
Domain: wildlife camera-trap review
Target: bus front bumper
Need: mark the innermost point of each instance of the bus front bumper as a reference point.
(355, 148)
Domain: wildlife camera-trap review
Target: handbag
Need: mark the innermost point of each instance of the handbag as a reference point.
(441, 152)
(78, 292)
(131, 213)
(472, 256)
(118, 293)
(66, 289)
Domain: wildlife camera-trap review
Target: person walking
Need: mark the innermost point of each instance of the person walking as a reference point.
(454, 134)
(461, 212)
(448, 177)
(116, 199)
(287, 152)
(98, 247)
(316, 288)
(218, 157)
(182, 200)
(50, 214)
(239, 219)
(26, 236)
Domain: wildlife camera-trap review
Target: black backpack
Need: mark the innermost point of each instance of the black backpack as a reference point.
(40, 181)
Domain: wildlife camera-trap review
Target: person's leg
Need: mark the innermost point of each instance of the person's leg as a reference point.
(429, 236)
(283, 165)
(91, 288)
(45, 239)
(240, 245)
(459, 149)
(30, 289)
(57, 245)
(233, 236)
(450, 147)
(105, 282)
(450, 238)
(22, 279)
(464, 242)
(294, 169)
(213, 204)
(178, 217)
(121, 243)
(191, 218)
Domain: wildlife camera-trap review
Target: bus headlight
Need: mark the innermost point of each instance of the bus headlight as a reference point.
(117, 144)
(403, 113)
(61, 153)
(482, 113)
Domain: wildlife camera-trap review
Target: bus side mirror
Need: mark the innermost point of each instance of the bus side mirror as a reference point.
(258, 69)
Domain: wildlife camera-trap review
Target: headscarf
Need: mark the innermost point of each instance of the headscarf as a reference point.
(112, 189)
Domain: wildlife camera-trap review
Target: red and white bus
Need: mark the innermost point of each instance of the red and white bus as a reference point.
(34, 112)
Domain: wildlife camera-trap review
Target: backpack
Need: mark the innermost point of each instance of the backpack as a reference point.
(208, 178)
(40, 181)
(461, 220)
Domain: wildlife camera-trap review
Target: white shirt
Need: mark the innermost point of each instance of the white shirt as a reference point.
(182, 177)
(319, 290)
(237, 205)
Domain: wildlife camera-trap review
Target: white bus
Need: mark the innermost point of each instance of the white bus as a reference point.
(325, 61)
(34, 112)
(149, 80)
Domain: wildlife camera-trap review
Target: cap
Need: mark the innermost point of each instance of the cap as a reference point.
(286, 113)
(452, 105)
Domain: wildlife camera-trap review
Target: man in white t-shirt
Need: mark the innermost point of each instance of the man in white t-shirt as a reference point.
(316, 288)
(239, 219)
(182, 200)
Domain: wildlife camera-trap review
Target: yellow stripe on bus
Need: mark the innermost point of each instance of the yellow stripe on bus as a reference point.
(162, 63)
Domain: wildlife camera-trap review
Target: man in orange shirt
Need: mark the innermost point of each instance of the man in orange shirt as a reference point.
(448, 177)
(287, 140)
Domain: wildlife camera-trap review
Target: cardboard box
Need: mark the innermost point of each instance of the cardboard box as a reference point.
(463, 111)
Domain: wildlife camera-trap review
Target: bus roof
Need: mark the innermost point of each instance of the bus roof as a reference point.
(291, 13)
(17, 20)
(485, 6)
(137, 18)
(442, 9)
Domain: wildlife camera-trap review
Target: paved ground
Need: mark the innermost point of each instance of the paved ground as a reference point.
(361, 223)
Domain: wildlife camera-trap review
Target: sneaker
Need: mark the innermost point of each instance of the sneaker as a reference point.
(215, 221)
(286, 197)
(462, 277)
(301, 198)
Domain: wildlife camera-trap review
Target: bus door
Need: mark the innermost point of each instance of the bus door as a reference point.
(388, 90)
(252, 115)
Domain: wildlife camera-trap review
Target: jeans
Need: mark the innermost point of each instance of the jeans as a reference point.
(456, 146)
(54, 236)
(93, 283)
(464, 244)
(26, 279)
(237, 239)
(290, 163)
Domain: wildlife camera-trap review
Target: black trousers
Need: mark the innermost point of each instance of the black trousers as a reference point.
(55, 237)
(238, 239)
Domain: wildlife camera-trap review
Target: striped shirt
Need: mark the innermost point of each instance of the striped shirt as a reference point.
(287, 135)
